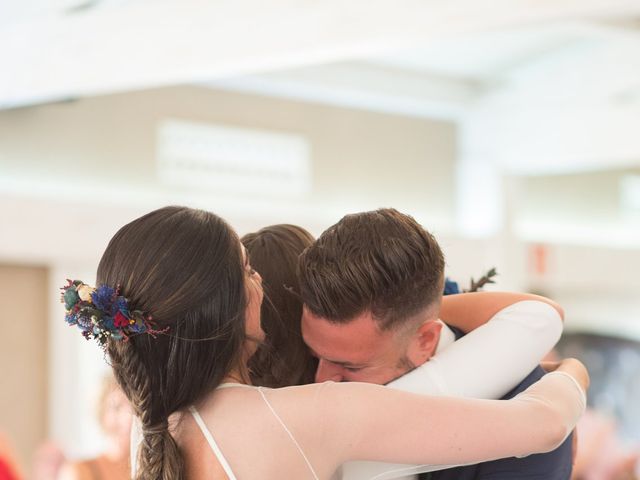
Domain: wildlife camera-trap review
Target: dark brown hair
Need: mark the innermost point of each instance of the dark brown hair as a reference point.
(184, 267)
(380, 261)
(283, 359)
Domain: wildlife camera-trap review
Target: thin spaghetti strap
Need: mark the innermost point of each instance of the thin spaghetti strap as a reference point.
(212, 443)
(295, 442)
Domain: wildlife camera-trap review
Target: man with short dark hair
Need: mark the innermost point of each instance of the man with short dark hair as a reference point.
(372, 290)
(378, 276)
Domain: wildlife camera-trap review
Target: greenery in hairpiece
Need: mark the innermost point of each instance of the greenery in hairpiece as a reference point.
(102, 313)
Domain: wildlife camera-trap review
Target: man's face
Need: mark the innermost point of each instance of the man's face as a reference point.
(358, 351)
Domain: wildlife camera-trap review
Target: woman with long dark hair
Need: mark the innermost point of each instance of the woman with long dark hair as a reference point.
(282, 359)
(177, 309)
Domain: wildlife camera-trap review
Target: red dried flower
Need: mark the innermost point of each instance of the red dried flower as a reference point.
(120, 321)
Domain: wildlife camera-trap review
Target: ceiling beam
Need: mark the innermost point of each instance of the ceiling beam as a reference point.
(365, 86)
(142, 45)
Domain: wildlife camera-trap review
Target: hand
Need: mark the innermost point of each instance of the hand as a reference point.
(577, 370)
(549, 366)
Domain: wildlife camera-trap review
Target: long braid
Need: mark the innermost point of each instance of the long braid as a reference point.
(158, 456)
(185, 268)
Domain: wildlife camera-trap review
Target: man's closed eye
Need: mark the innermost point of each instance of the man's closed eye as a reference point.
(353, 369)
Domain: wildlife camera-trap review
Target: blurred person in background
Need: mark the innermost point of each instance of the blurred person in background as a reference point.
(47, 461)
(8, 465)
(601, 453)
(115, 416)
(283, 359)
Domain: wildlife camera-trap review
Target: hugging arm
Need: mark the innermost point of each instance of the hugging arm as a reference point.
(353, 421)
(468, 311)
(486, 363)
(492, 359)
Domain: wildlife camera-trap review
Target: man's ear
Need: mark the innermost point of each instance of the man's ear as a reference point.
(424, 343)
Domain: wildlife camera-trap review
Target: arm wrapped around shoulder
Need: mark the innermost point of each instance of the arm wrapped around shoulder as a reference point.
(369, 422)
(562, 401)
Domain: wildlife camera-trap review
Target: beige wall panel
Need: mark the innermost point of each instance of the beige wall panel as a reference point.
(359, 157)
(23, 354)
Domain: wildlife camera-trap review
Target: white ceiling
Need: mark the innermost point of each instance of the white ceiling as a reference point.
(556, 62)
(14, 12)
(71, 48)
(568, 70)
(490, 55)
(555, 97)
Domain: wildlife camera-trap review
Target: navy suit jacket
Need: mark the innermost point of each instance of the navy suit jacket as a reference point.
(554, 465)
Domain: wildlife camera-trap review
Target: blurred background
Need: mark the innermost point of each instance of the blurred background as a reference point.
(509, 129)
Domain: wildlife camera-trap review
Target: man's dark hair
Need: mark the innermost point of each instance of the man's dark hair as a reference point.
(380, 261)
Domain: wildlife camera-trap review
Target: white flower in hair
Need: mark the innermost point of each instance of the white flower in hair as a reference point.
(84, 292)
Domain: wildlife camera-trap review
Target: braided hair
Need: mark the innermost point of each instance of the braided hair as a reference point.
(183, 267)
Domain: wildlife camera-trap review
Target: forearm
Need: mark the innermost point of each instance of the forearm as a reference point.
(467, 311)
(491, 360)
(452, 430)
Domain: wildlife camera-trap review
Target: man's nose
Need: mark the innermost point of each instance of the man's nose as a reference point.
(328, 371)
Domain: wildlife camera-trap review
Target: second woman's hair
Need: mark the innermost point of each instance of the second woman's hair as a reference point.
(283, 359)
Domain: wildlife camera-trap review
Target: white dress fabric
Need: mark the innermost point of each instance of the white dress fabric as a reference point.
(307, 432)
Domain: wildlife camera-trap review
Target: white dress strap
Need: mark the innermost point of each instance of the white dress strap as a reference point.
(233, 385)
(295, 442)
(212, 443)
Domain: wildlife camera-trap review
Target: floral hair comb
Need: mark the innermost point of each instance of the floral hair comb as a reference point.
(102, 313)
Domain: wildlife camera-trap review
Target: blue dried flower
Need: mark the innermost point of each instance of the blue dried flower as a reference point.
(107, 323)
(138, 327)
(121, 305)
(451, 287)
(70, 318)
(103, 298)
